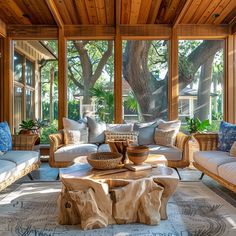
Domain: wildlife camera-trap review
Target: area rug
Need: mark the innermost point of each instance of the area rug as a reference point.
(193, 210)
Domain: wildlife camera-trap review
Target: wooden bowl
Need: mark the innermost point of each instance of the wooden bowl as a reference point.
(137, 154)
(104, 160)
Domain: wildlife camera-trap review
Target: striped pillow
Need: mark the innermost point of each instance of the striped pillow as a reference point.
(133, 136)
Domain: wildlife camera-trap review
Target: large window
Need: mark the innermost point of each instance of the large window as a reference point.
(90, 79)
(145, 80)
(201, 80)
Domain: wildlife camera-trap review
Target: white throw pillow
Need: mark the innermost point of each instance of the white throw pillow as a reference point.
(170, 125)
(72, 124)
(72, 136)
(120, 127)
(233, 150)
(165, 137)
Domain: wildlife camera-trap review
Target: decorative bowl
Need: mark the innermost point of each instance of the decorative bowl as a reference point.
(137, 154)
(104, 160)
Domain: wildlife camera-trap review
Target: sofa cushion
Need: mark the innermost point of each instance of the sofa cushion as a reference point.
(120, 127)
(226, 136)
(96, 131)
(132, 136)
(5, 137)
(171, 153)
(146, 132)
(211, 160)
(72, 124)
(228, 172)
(7, 168)
(104, 148)
(70, 152)
(164, 137)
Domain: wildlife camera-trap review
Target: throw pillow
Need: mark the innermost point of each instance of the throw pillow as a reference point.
(96, 131)
(165, 137)
(133, 136)
(170, 125)
(72, 136)
(146, 132)
(233, 150)
(5, 137)
(72, 124)
(120, 127)
(226, 136)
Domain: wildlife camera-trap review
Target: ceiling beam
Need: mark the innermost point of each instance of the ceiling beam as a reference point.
(233, 29)
(182, 13)
(56, 15)
(3, 31)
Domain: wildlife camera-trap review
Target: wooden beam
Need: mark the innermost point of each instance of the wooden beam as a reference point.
(148, 31)
(173, 87)
(182, 13)
(62, 78)
(233, 29)
(56, 15)
(3, 31)
(203, 31)
(118, 66)
(32, 32)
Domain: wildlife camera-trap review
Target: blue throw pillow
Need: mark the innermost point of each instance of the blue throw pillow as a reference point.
(5, 137)
(227, 136)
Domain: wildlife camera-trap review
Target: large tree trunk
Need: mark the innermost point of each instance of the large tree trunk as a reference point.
(204, 90)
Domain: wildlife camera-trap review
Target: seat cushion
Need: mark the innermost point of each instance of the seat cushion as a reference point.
(104, 148)
(228, 172)
(70, 152)
(171, 153)
(7, 168)
(21, 159)
(211, 160)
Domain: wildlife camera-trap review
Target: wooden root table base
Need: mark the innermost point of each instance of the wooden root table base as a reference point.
(96, 199)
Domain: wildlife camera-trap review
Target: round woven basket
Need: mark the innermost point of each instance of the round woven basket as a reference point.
(137, 154)
(104, 160)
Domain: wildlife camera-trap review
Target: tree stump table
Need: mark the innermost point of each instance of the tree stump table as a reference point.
(95, 198)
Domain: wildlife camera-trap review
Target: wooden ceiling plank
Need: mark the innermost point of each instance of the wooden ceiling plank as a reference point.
(134, 11)
(110, 12)
(57, 17)
(101, 12)
(144, 11)
(3, 31)
(218, 10)
(91, 10)
(182, 13)
(191, 11)
(208, 12)
(71, 8)
(225, 12)
(229, 19)
(154, 11)
(125, 11)
(81, 9)
(170, 11)
(62, 9)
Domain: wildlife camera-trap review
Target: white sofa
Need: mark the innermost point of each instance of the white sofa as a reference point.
(217, 164)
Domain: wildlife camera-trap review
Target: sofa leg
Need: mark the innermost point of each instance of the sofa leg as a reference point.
(30, 176)
(177, 172)
(201, 176)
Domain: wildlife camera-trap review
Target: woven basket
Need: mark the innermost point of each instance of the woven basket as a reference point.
(137, 154)
(104, 160)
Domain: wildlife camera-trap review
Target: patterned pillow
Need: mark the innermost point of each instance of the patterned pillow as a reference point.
(5, 137)
(133, 136)
(165, 137)
(226, 136)
(75, 136)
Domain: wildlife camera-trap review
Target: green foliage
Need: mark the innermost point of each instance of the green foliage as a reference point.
(27, 125)
(131, 102)
(51, 129)
(195, 125)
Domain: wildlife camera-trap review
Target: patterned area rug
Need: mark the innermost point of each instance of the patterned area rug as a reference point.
(193, 210)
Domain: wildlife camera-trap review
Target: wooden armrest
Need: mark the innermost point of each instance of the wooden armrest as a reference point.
(24, 141)
(207, 141)
(56, 141)
(181, 140)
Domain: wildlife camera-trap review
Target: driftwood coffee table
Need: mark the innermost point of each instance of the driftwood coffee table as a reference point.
(96, 198)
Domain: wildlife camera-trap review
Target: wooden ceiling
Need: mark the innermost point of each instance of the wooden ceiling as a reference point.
(132, 12)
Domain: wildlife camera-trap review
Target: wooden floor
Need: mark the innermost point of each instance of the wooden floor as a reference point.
(46, 173)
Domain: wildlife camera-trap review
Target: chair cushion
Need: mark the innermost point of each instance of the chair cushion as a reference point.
(211, 160)
(5, 137)
(226, 136)
(228, 172)
(104, 148)
(7, 168)
(96, 131)
(171, 153)
(70, 152)
(120, 127)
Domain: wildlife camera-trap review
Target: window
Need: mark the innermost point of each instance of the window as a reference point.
(23, 89)
(90, 79)
(145, 80)
(201, 80)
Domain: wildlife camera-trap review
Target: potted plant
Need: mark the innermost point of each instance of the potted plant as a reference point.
(195, 125)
